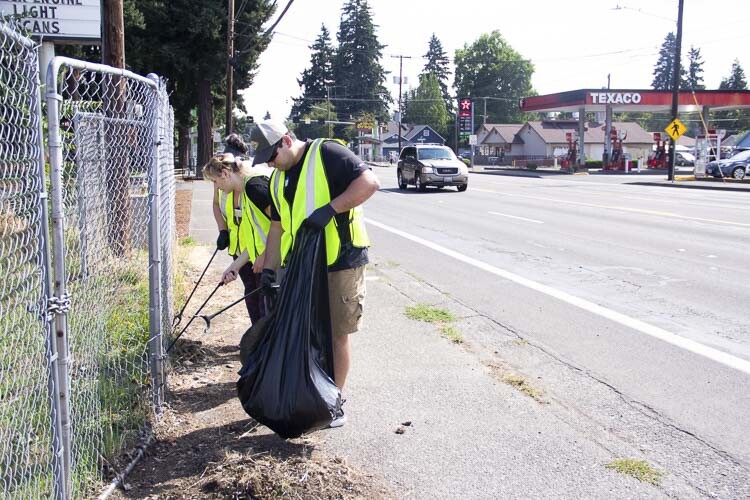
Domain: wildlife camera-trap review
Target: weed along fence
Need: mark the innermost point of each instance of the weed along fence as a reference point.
(86, 237)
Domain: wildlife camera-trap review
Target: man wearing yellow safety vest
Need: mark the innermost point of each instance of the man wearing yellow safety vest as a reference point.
(241, 208)
(324, 184)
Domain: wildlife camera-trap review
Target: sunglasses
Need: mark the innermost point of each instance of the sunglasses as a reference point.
(275, 150)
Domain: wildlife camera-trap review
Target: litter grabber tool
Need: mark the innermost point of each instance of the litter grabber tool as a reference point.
(208, 317)
(178, 318)
(194, 316)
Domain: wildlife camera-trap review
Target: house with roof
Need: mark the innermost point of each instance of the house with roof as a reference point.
(547, 138)
(499, 140)
(411, 135)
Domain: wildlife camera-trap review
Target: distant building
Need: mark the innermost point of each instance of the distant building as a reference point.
(411, 135)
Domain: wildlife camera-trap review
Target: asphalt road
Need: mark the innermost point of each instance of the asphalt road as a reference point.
(645, 289)
(621, 306)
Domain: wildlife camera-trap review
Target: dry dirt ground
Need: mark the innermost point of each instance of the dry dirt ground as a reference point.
(206, 446)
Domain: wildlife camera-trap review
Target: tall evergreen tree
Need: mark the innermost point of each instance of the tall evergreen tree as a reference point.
(664, 69)
(318, 77)
(694, 80)
(491, 68)
(437, 64)
(191, 55)
(735, 120)
(735, 81)
(360, 78)
(426, 105)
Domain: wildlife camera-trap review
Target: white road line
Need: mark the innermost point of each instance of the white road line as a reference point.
(657, 213)
(636, 324)
(516, 217)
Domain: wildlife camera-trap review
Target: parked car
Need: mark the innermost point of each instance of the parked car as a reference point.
(684, 158)
(431, 165)
(737, 166)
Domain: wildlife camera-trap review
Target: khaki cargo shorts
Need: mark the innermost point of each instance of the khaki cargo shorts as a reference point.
(346, 296)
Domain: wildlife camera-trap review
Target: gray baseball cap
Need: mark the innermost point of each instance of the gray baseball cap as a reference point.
(264, 139)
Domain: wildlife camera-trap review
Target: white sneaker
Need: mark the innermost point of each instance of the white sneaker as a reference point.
(339, 421)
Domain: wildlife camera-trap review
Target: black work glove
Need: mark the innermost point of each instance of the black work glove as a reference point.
(267, 280)
(321, 216)
(222, 242)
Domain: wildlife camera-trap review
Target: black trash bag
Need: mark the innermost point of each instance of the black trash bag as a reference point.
(286, 382)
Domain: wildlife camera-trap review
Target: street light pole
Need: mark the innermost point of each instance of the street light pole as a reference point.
(400, 111)
(675, 87)
(230, 64)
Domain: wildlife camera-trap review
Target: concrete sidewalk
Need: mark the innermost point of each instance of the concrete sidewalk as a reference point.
(433, 418)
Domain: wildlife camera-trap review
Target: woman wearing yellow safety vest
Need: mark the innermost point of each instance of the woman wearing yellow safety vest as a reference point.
(323, 184)
(241, 209)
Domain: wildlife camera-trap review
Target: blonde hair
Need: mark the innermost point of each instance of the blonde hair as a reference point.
(223, 161)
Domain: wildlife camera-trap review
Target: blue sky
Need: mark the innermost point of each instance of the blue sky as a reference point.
(573, 44)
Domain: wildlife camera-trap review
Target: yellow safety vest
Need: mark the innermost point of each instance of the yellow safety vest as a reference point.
(313, 180)
(252, 230)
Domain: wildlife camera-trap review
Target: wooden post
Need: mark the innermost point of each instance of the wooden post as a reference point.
(114, 92)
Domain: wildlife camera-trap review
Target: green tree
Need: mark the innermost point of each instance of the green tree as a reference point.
(491, 68)
(736, 80)
(426, 105)
(664, 69)
(694, 80)
(360, 78)
(318, 77)
(318, 115)
(437, 64)
(735, 120)
(191, 55)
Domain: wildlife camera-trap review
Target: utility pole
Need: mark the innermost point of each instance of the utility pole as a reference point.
(484, 116)
(113, 39)
(675, 87)
(230, 64)
(400, 80)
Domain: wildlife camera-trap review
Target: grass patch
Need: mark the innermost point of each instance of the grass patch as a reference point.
(639, 469)
(391, 263)
(520, 383)
(422, 312)
(188, 241)
(452, 334)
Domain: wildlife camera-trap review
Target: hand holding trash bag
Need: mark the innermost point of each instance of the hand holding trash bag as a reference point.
(222, 242)
(321, 216)
(267, 280)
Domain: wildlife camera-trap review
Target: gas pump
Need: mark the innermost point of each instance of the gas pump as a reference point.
(571, 157)
(617, 159)
(658, 158)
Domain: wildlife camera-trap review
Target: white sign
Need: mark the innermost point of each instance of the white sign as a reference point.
(473, 140)
(56, 20)
(615, 97)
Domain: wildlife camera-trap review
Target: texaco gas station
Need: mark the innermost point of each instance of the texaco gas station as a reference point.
(609, 101)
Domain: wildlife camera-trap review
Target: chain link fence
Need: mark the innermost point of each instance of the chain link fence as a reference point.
(87, 286)
(27, 436)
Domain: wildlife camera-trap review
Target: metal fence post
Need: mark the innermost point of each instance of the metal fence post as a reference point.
(154, 252)
(48, 311)
(60, 294)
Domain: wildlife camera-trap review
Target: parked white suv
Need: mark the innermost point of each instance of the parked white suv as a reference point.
(431, 165)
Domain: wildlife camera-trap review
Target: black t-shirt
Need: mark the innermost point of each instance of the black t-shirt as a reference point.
(256, 188)
(341, 167)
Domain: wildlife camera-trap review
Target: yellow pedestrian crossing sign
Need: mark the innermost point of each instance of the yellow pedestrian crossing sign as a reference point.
(675, 129)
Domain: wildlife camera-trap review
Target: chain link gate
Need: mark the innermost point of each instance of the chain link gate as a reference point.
(108, 161)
